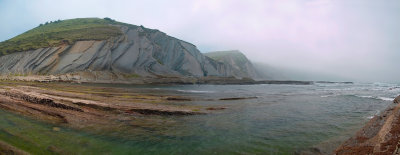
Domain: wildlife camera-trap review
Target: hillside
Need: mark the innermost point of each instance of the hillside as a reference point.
(93, 48)
(241, 66)
(60, 32)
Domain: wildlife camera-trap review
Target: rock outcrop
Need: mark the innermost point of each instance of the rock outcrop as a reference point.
(381, 135)
(238, 64)
(138, 52)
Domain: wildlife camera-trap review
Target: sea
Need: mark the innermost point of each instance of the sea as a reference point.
(274, 119)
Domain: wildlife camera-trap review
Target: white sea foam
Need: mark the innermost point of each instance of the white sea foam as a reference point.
(195, 91)
(370, 117)
(328, 96)
(377, 97)
(386, 98)
(366, 96)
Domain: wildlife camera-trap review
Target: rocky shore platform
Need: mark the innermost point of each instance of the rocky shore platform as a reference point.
(381, 135)
(84, 106)
(73, 104)
(94, 107)
(115, 78)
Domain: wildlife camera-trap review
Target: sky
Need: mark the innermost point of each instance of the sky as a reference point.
(356, 40)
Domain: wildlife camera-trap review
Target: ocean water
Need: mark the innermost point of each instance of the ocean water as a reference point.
(283, 119)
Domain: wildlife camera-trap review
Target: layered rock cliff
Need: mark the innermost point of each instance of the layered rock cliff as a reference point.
(238, 63)
(137, 51)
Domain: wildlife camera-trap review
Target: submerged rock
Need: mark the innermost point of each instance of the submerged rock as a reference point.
(178, 99)
(237, 98)
(56, 129)
(216, 108)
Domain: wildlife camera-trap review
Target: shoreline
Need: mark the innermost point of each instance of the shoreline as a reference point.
(71, 78)
(380, 135)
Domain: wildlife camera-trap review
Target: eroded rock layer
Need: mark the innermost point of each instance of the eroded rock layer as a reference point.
(381, 135)
(138, 52)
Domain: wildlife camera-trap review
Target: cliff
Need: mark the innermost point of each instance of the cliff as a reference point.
(238, 63)
(106, 48)
(381, 135)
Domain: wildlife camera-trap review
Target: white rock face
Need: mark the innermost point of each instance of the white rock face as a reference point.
(139, 51)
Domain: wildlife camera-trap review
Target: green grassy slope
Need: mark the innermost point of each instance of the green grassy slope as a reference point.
(61, 32)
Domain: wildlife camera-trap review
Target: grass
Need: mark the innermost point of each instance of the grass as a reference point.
(61, 32)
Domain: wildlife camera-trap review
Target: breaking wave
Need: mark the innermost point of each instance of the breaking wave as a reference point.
(194, 91)
(361, 96)
(376, 97)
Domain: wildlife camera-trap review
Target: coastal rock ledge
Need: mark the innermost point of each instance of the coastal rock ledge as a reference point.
(381, 135)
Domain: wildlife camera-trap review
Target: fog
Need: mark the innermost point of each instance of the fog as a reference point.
(356, 40)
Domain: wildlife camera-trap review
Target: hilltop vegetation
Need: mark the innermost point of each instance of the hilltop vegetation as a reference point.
(61, 32)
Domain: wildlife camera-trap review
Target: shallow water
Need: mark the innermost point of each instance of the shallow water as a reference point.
(282, 119)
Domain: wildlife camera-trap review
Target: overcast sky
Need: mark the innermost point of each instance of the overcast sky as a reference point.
(353, 39)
